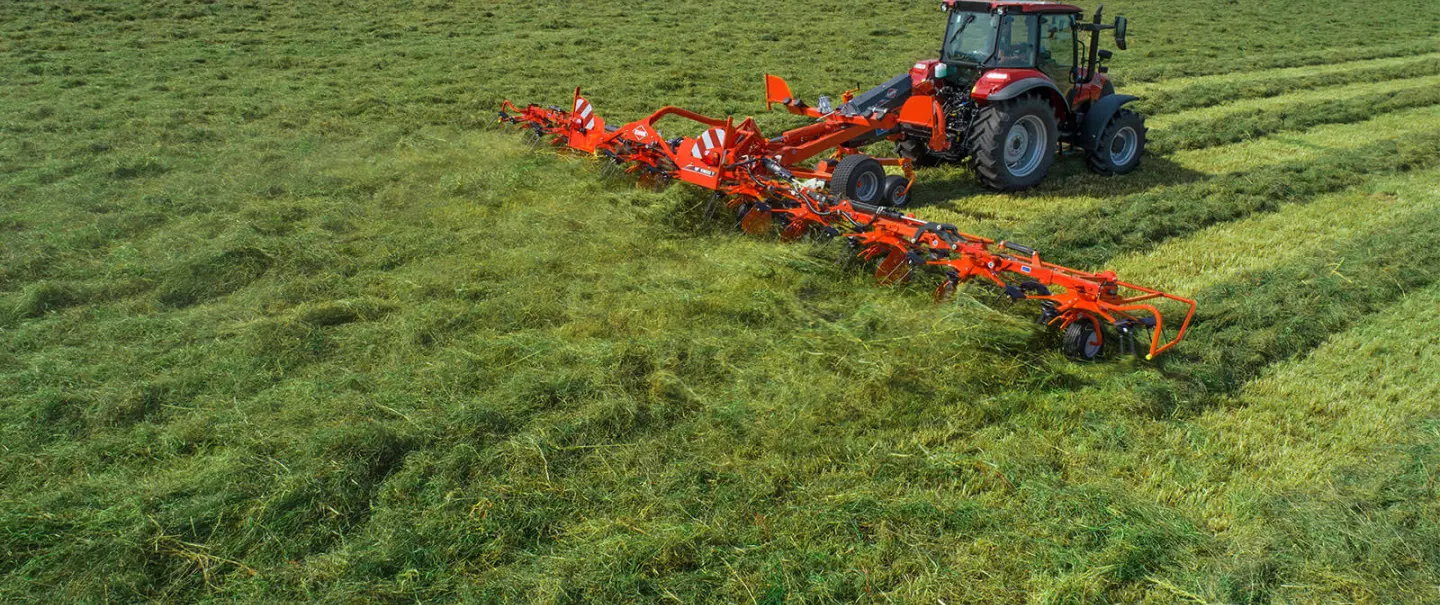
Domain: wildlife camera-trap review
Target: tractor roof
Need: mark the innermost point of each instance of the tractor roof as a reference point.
(1028, 6)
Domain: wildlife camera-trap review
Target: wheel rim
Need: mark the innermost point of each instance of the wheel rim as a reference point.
(1123, 146)
(866, 186)
(1092, 343)
(1025, 146)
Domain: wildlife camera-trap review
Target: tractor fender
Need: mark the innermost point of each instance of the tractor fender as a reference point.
(989, 90)
(1099, 115)
(1020, 87)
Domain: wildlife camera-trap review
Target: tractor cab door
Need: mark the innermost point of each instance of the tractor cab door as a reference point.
(1058, 53)
(1015, 41)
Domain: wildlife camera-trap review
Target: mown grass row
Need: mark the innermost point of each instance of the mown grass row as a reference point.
(1298, 415)
(1283, 309)
(1222, 251)
(1091, 237)
(1321, 455)
(1237, 126)
(1214, 92)
(1143, 73)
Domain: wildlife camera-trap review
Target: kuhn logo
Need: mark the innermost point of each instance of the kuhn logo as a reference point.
(641, 132)
(700, 170)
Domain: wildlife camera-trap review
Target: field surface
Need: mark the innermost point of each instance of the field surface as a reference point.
(284, 317)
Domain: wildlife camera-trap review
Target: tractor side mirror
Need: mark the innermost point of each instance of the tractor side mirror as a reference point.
(1121, 23)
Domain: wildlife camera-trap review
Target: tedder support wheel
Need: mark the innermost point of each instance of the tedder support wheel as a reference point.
(1081, 340)
(895, 193)
(917, 151)
(1120, 145)
(860, 178)
(1013, 143)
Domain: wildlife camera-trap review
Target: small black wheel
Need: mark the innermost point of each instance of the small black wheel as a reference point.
(895, 191)
(1082, 341)
(917, 151)
(860, 178)
(1120, 146)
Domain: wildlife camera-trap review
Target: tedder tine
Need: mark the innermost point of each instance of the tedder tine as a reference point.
(894, 268)
(794, 231)
(757, 220)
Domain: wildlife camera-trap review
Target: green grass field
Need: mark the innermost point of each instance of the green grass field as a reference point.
(284, 317)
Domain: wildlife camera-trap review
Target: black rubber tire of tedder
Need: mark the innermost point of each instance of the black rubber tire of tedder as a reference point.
(917, 151)
(1127, 130)
(1077, 341)
(895, 194)
(860, 178)
(994, 129)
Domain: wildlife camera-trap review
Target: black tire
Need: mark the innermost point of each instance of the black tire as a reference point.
(993, 141)
(1081, 342)
(860, 178)
(895, 193)
(917, 151)
(1120, 146)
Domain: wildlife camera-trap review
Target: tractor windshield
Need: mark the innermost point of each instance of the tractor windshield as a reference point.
(989, 39)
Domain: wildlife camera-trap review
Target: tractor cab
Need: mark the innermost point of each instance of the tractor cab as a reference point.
(1015, 37)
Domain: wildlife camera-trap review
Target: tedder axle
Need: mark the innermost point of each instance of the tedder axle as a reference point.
(756, 176)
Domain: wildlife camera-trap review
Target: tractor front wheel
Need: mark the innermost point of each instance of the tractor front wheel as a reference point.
(1013, 143)
(1120, 145)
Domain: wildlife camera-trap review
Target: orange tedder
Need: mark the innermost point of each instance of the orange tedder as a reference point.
(982, 100)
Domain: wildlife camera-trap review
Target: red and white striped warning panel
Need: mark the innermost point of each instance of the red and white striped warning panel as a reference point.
(710, 140)
(584, 114)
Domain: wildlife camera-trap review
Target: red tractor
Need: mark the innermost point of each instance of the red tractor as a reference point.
(1014, 82)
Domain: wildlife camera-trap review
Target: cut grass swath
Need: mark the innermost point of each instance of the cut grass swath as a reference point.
(1234, 127)
(1212, 92)
(1232, 64)
(1137, 222)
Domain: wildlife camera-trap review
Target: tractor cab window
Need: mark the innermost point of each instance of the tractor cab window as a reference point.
(970, 37)
(1057, 50)
(1014, 43)
(990, 39)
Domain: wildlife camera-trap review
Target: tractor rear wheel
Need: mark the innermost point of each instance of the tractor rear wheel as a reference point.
(1120, 145)
(1013, 143)
(860, 178)
(917, 151)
